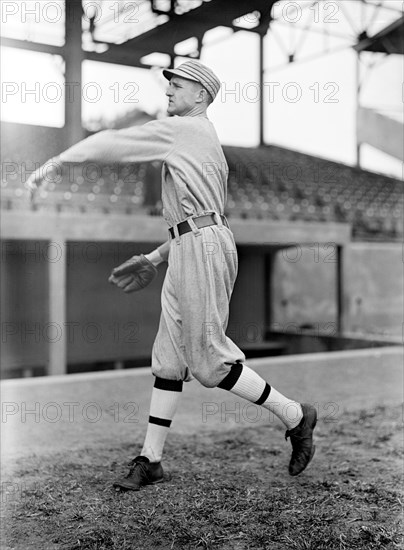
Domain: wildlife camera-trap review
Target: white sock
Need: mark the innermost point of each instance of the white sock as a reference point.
(164, 401)
(287, 410)
(246, 383)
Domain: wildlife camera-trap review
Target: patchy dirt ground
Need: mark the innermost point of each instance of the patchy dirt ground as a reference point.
(230, 491)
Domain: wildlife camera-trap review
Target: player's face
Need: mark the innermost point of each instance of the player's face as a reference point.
(182, 96)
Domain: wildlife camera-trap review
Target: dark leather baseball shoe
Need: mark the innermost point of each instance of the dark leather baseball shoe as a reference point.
(301, 438)
(141, 472)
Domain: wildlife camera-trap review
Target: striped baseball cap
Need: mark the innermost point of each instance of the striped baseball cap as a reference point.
(196, 71)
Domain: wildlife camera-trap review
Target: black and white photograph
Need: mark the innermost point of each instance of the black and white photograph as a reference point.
(201, 284)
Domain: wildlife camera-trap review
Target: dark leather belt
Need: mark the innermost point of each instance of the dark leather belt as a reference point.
(200, 221)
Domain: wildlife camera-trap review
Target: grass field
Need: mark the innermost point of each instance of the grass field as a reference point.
(230, 491)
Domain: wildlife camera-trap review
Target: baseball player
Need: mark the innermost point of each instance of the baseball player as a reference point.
(202, 268)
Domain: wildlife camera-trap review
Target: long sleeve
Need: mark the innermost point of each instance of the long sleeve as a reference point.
(152, 141)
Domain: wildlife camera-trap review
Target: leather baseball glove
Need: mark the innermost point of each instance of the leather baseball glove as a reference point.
(134, 274)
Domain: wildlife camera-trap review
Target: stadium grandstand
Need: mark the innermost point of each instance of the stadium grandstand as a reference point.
(266, 183)
(318, 240)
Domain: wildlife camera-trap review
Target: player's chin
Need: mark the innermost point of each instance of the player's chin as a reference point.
(171, 110)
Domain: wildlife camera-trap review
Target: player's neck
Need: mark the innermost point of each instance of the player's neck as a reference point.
(197, 110)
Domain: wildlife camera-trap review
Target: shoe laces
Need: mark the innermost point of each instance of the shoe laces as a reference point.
(296, 433)
(137, 463)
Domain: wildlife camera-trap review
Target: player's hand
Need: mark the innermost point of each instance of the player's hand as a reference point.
(32, 184)
(134, 274)
(50, 171)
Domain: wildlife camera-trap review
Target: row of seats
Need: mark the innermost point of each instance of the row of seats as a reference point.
(265, 183)
(81, 188)
(276, 183)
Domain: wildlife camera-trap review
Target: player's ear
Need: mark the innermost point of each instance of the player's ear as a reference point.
(201, 96)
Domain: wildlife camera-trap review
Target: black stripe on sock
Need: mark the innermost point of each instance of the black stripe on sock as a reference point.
(264, 395)
(159, 421)
(230, 379)
(168, 385)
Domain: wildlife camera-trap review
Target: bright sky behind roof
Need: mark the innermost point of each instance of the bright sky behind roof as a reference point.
(309, 105)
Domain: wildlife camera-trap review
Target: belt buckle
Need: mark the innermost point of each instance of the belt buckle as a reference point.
(174, 232)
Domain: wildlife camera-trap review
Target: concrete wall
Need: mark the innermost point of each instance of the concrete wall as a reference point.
(103, 324)
(247, 306)
(24, 304)
(304, 289)
(106, 324)
(374, 276)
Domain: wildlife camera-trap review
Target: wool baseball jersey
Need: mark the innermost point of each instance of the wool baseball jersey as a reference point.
(194, 172)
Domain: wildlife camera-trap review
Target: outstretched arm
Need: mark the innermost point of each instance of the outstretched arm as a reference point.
(147, 143)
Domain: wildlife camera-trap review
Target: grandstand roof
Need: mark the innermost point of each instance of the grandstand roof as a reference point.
(181, 26)
(389, 40)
